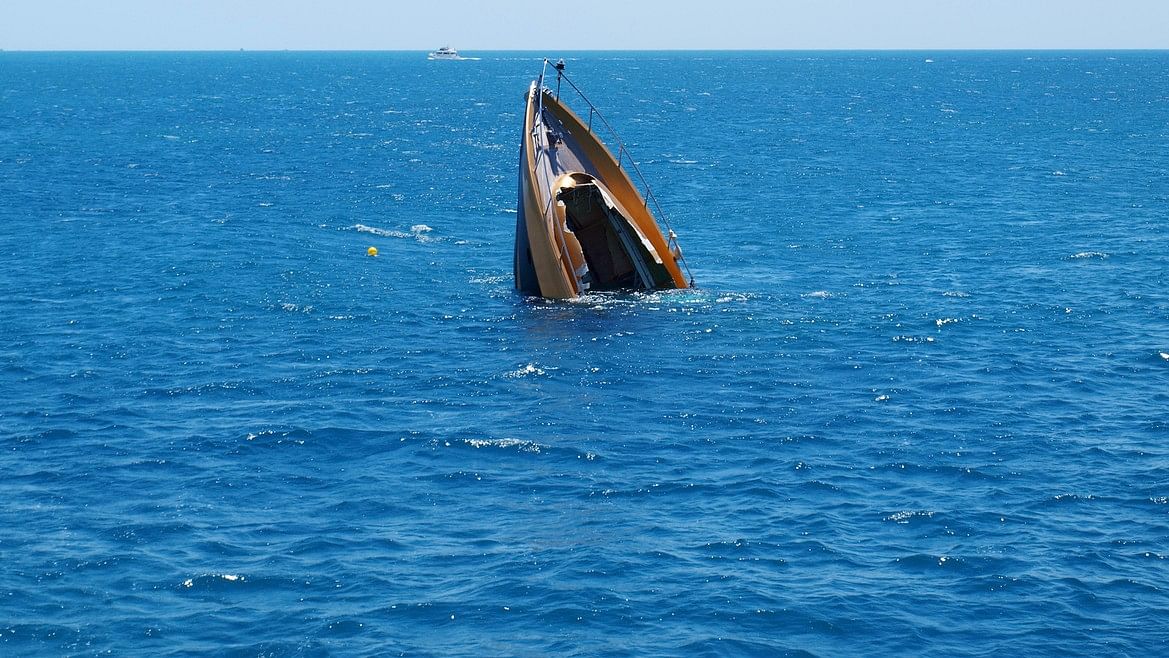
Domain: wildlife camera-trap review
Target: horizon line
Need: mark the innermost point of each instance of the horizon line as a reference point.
(588, 50)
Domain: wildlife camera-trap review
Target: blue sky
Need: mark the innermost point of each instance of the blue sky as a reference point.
(586, 24)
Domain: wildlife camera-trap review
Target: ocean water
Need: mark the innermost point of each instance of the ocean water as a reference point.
(917, 404)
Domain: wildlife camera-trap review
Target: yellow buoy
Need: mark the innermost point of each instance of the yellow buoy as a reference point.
(372, 251)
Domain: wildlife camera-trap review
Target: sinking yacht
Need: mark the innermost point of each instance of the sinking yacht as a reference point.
(581, 223)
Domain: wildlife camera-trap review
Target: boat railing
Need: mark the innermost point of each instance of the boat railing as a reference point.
(622, 150)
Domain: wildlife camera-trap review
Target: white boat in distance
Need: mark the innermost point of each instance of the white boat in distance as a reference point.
(446, 52)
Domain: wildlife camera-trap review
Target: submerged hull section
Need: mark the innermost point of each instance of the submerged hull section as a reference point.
(581, 224)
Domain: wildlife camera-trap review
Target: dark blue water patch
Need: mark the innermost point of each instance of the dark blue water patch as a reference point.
(913, 406)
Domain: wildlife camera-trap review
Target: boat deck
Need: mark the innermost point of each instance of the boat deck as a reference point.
(557, 152)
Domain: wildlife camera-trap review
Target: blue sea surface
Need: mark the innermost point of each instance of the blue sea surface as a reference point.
(918, 403)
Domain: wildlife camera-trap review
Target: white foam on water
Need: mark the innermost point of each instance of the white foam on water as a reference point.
(419, 232)
(906, 516)
(229, 577)
(913, 339)
(519, 444)
(525, 371)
